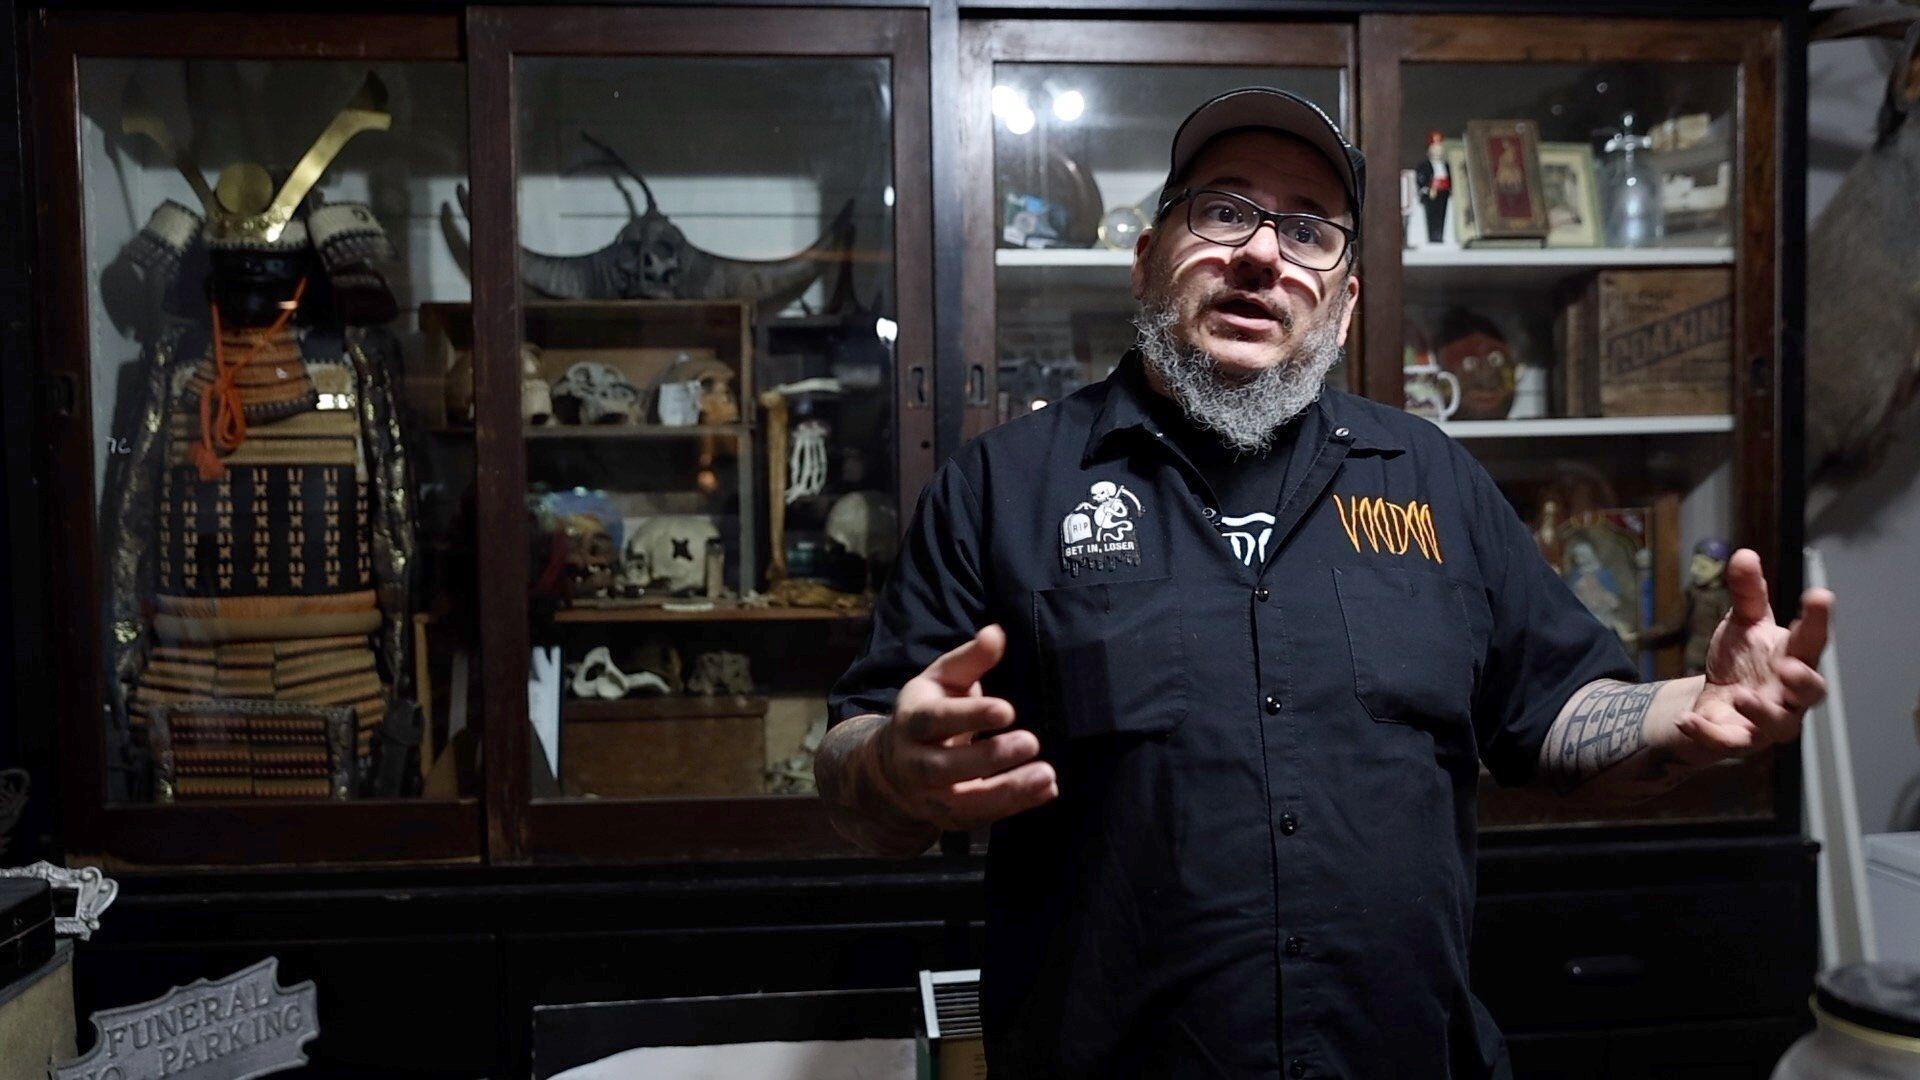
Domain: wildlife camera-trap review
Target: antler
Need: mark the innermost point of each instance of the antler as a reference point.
(620, 163)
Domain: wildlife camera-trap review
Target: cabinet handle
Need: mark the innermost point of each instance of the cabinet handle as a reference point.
(976, 384)
(1606, 969)
(917, 377)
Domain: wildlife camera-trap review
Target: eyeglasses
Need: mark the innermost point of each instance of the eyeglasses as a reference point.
(1221, 217)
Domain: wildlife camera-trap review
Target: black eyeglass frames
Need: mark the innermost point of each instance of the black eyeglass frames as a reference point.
(1221, 217)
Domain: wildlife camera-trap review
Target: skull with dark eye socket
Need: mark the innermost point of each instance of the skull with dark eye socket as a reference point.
(592, 559)
(658, 248)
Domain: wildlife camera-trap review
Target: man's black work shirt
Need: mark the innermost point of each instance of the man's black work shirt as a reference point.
(1261, 862)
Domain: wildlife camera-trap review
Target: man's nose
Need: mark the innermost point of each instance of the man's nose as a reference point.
(1257, 263)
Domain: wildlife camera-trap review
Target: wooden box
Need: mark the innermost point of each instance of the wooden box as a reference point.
(664, 747)
(1648, 343)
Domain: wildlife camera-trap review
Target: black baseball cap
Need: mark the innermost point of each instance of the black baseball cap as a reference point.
(1277, 110)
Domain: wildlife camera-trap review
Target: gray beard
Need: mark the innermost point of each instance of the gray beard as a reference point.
(1246, 414)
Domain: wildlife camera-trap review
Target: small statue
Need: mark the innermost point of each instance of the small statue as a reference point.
(1436, 186)
(1707, 602)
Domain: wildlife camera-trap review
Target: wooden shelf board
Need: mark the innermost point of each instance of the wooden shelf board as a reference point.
(1563, 427)
(634, 431)
(614, 612)
(662, 707)
(1062, 258)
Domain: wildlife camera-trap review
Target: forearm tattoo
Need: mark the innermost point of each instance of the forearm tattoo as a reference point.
(1602, 728)
(857, 808)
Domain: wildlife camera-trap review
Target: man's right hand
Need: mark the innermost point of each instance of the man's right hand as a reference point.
(926, 757)
(892, 784)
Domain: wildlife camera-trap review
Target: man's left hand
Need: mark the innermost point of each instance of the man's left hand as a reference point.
(1761, 677)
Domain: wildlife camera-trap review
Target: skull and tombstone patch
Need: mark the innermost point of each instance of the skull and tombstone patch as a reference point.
(1100, 532)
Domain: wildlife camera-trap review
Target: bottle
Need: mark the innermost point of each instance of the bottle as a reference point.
(1631, 186)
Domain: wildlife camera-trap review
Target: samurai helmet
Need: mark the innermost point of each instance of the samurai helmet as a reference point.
(243, 208)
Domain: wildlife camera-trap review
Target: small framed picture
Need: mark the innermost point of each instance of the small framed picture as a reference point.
(1573, 205)
(1466, 229)
(1503, 160)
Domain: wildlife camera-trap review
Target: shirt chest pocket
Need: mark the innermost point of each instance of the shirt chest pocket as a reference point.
(1408, 635)
(1111, 658)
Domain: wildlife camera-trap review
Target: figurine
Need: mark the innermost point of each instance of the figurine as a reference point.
(1436, 186)
(1707, 602)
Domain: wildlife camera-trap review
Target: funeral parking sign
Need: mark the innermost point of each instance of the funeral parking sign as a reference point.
(235, 1028)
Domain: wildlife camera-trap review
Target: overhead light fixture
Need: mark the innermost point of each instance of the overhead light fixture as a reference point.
(1007, 100)
(1069, 105)
(1021, 121)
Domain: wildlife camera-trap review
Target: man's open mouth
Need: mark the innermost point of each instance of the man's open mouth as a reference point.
(1243, 308)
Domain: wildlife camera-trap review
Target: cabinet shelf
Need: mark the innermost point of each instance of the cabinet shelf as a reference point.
(662, 707)
(1580, 258)
(1573, 426)
(617, 611)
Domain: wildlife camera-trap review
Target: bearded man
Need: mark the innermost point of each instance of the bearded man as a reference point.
(1218, 655)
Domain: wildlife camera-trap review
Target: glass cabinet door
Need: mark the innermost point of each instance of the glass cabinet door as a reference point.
(1069, 130)
(1570, 294)
(282, 535)
(715, 342)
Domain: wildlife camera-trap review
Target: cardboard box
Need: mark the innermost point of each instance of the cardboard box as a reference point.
(1649, 343)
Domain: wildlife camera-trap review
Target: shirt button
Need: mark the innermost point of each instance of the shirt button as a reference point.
(1295, 946)
(1261, 594)
(1288, 823)
(1338, 433)
(1297, 1069)
(1272, 703)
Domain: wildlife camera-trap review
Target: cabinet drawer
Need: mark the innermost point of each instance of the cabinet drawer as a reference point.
(1561, 960)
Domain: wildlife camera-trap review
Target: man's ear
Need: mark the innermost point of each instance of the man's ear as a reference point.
(1353, 303)
(1141, 244)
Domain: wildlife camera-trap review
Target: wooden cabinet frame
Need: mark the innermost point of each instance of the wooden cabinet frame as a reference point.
(505, 825)
(1767, 375)
(518, 827)
(367, 830)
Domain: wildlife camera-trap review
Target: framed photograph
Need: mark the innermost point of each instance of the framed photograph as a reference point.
(1573, 204)
(1465, 226)
(1503, 160)
(1606, 559)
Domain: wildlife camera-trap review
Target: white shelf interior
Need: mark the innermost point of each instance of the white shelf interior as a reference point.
(1566, 257)
(1587, 426)
(1061, 258)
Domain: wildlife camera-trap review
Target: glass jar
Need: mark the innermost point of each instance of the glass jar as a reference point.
(1869, 1026)
(1631, 187)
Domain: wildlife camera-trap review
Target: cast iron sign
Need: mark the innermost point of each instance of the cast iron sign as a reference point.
(235, 1028)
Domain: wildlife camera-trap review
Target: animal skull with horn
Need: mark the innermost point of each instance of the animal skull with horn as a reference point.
(652, 259)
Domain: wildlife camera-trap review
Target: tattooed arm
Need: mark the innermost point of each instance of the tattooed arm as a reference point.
(1632, 740)
(1616, 740)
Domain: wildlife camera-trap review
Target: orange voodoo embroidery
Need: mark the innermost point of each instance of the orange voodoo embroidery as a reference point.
(1396, 528)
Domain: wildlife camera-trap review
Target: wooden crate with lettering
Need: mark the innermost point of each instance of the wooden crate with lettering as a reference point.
(1648, 343)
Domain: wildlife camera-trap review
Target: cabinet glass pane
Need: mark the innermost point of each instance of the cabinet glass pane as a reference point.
(708, 392)
(1569, 316)
(287, 595)
(1080, 152)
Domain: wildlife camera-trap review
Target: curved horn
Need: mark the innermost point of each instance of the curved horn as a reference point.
(367, 111)
(770, 283)
(566, 277)
(137, 117)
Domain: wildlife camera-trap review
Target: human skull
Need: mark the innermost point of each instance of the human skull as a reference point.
(590, 555)
(670, 553)
(604, 394)
(864, 523)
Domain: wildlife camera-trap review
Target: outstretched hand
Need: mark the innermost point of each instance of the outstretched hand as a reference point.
(1761, 677)
(930, 763)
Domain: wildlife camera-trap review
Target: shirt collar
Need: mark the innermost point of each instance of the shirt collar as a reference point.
(1123, 407)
